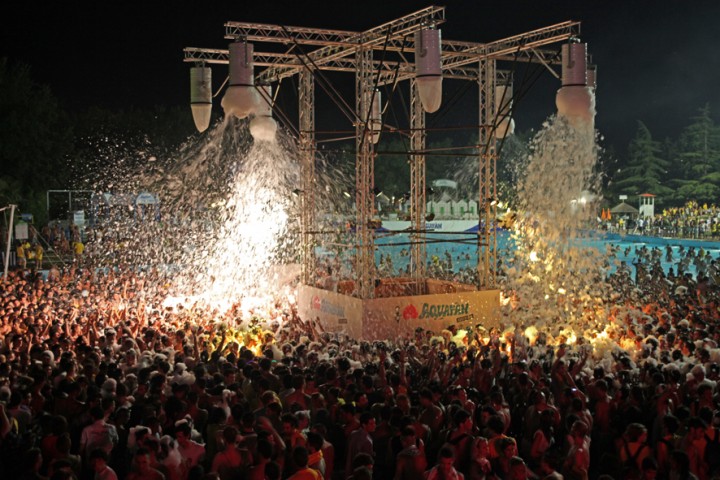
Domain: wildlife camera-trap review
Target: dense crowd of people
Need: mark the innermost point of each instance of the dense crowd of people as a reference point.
(99, 378)
(692, 220)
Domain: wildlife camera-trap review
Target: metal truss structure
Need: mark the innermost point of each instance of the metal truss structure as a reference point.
(364, 176)
(487, 176)
(384, 55)
(306, 110)
(418, 203)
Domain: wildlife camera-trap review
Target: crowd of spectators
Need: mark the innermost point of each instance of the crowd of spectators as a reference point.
(689, 221)
(100, 379)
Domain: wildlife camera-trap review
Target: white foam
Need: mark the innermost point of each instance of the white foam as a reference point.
(555, 283)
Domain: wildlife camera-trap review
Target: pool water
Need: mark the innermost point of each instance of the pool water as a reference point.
(462, 248)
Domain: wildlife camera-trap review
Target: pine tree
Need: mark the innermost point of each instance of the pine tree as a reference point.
(698, 154)
(646, 171)
(700, 146)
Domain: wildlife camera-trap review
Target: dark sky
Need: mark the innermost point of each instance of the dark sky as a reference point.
(657, 59)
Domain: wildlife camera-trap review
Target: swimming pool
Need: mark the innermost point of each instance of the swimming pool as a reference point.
(462, 248)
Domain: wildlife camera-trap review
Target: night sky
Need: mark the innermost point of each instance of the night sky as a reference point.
(657, 59)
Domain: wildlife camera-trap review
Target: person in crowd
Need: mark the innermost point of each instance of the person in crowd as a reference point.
(577, 464)
(300, 460)
(231, 461)
(444, 469)
(411, 462)
(99, 463)
(360, 440)
(634, 449)
(315, 453)
(99, 434)
(21, 252)
(191, 451)
(142, 468)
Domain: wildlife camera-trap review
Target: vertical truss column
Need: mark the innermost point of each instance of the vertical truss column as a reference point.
(364, 177)
(306, 95)
(418, 202)
(487, 177)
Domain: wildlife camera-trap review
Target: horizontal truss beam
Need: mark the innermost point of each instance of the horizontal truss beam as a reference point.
(386, 69)
(368, 39)
(339, 46)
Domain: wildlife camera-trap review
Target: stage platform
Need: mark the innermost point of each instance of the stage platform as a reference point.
(390, 317)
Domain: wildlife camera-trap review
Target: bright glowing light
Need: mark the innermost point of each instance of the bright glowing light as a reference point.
(246, 261)
(173, 302)
(568, 335)
(531, 333)
(533, 256)
(504, 299)
(246, 245)
(460, 337)
(561, 291)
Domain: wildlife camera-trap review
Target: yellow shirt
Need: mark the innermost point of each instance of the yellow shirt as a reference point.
(22, 250)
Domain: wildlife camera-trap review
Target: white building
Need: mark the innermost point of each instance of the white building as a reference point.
(647, 205)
